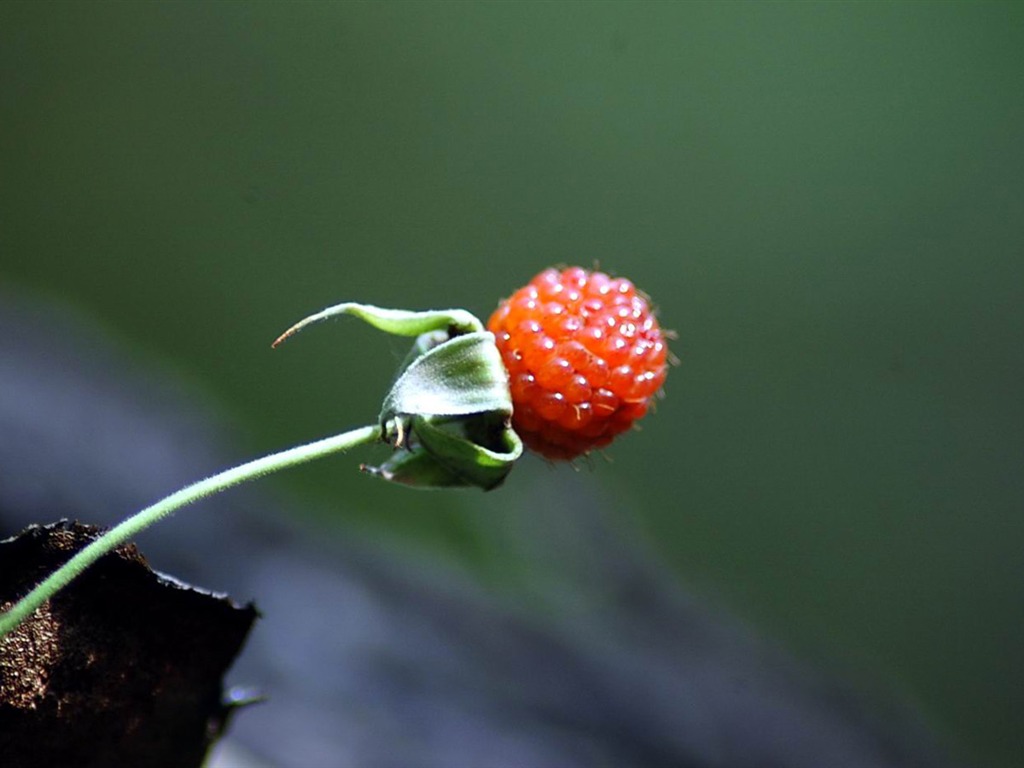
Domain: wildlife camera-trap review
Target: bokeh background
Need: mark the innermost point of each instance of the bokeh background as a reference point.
(824, 199)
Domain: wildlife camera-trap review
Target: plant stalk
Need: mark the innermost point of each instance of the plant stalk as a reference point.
(138, 522)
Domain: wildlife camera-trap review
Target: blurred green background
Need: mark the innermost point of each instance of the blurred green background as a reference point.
(825, 200)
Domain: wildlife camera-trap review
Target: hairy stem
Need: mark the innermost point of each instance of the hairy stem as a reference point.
(141, 520)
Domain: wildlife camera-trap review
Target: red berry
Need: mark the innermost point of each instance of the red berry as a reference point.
(585, 356)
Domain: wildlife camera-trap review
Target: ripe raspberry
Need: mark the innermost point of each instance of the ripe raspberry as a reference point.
(584, 355)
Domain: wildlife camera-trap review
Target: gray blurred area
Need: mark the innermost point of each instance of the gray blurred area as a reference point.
(370, 659)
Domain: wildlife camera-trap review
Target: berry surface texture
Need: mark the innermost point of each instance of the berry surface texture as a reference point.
(585, 357)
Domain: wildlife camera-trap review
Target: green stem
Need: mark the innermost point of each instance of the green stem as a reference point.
(141, 520)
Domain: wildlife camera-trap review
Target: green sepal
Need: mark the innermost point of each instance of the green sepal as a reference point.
(444, 453)
(482, 455)
(458, 377)
(400, 322)
(448, 415)
(448, 412)
(415, 468)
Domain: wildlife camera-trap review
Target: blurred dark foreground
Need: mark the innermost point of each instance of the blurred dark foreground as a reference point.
(372, 660)
(123, 667)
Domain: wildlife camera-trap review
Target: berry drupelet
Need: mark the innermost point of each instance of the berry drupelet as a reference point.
(585, 356)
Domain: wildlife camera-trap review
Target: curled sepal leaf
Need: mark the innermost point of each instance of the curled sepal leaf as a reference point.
(477, 450)
(448, 412)
(480, 449)
(448, 415)
(458, 377)
(415, 468)
(400, 322)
